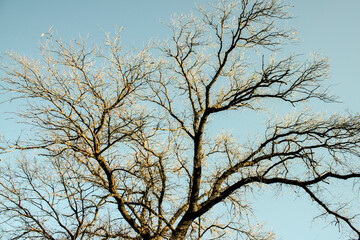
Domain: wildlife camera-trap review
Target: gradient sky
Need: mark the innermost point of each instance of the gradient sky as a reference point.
(330, 27)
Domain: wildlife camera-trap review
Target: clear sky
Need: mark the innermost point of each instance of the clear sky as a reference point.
(328, 26)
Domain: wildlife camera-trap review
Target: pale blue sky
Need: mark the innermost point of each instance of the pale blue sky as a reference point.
(328, 26)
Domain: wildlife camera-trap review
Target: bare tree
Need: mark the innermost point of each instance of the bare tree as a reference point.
(121, 144)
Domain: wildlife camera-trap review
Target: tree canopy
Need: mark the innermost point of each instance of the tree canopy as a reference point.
(122, 146)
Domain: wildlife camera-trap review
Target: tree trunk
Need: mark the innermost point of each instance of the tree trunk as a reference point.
(181, 229)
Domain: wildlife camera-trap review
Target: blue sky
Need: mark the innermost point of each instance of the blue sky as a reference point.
(327, 26)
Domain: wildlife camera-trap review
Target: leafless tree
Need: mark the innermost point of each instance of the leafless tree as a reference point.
(121, 146)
